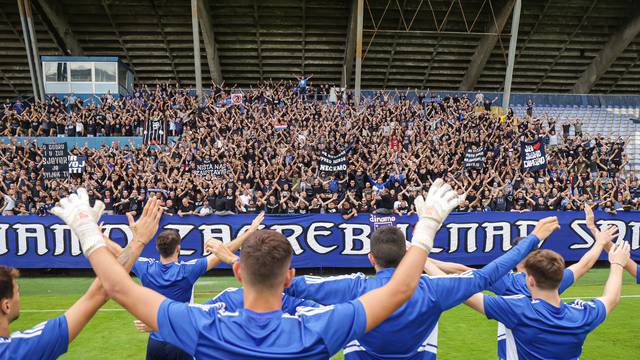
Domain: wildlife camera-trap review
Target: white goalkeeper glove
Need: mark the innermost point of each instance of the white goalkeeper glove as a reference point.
(98, 207)
(441, 200)
(82, 219)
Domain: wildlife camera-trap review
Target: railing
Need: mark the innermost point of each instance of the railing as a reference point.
(91, 142)
(559, 99)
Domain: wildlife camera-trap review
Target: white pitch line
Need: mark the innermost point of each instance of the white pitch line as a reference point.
(63, 310)
(210, 282)
(587, 297)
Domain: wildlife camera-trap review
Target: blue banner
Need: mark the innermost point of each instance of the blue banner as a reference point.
(318, 240)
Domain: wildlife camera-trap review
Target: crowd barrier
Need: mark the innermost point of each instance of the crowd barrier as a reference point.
(319, 240)
(91, 142)
(538, 98)
(560, 99)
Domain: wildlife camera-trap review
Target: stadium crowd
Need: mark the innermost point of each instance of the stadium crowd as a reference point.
(267, 146)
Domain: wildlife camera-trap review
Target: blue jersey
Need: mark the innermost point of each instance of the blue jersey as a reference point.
(231, 300)
(209, 332)
(47, 340)
(516, 284)
(417, 317)
(173, 280)
(539, 330)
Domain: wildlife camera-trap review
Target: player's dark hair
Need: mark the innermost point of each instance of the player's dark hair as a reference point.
(167, 242)
(388, 246)
(546, 267)
(264, 258)
(7, 277)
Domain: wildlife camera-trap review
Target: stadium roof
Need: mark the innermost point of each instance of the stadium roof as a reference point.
(279, 39)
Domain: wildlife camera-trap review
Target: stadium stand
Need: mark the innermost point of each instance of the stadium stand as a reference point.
(614, 121)
(403, 136)
(275, 151)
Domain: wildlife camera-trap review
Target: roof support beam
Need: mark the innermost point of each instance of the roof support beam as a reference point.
(350, 47)
(195, 28)
(53, 12)
(359, 22)
(609, 53)
(485, 47)
(213, 61)
(31, 47)
(513, 42)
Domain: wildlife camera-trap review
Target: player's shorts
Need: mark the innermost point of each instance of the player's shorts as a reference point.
(160, 350)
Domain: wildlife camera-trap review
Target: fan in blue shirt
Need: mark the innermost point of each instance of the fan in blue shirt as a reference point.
(419, 316)
(175, 279)
(50, 339)
(543, 326)
(514, 283)
(261, 329)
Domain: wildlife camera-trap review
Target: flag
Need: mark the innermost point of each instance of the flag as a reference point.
(533, 155)
(237, 99)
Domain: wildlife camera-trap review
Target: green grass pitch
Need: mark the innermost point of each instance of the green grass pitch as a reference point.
(464, 334)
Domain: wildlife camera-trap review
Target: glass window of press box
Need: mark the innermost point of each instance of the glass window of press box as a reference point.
(55, 71)
(80, 71)
(105, 72)
(86, 75)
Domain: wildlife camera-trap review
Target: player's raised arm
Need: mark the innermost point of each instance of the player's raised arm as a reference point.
(143, 230)
(221, 251)
(590, 219)
(233, 246)
(452, 290)
(141, 302)
(587, 261)
(382, 302)
(81, 312)
(445, 267)
(476, 302)
(618, 257)
(430, 268)
(632, 267)
(544, 228)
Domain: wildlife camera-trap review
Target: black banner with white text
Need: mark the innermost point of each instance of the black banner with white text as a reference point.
(56, 161)
(533, 155)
